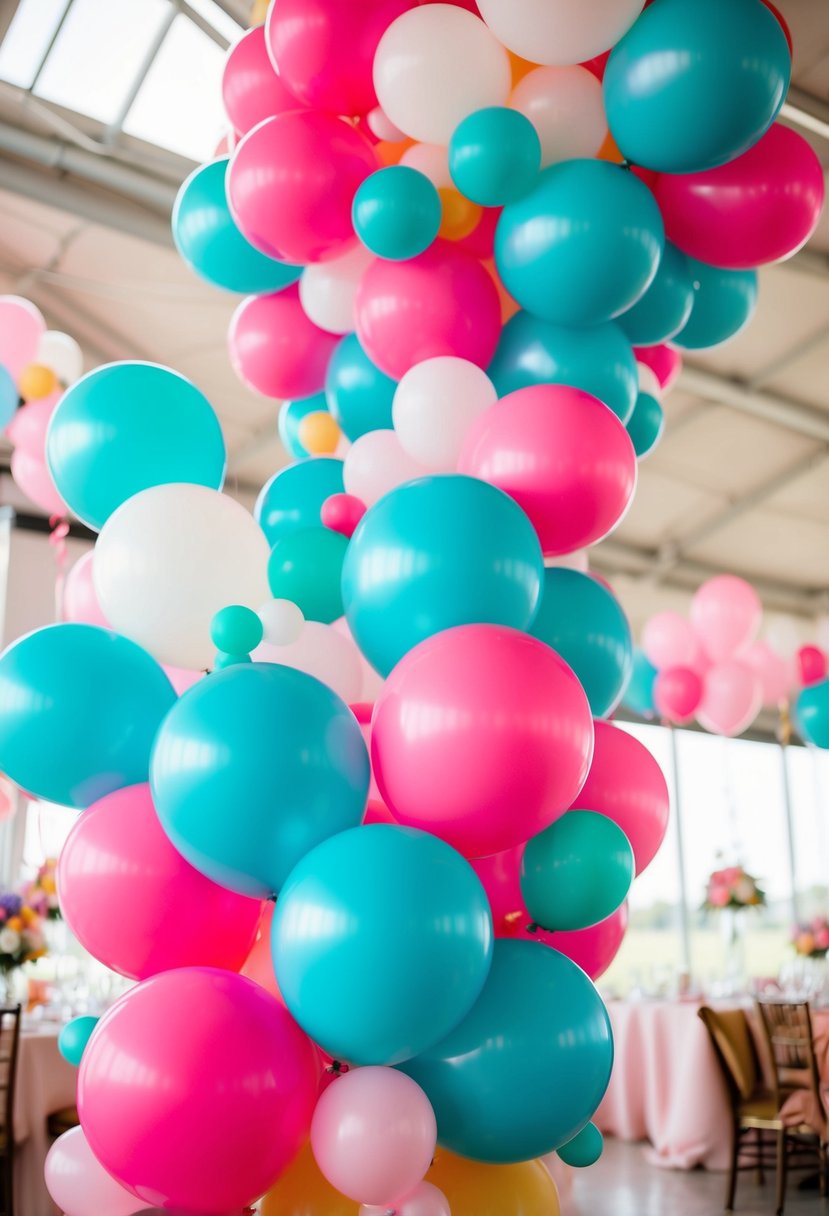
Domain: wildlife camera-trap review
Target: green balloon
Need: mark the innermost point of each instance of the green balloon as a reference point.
(306, 567)
(236, 629)
(645, 425)
(223, 660)
(577, 871)
(74, 1037)
(584, 1149)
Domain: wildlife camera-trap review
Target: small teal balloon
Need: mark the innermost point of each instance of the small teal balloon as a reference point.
(724, 303)
(224, 659)
(74, 1037)
(306, 567)
(665, 307)
(692, 85)
(527, 1067)
(381, 942)
(586, 625)
(9, 397)
(812, 713)
(212, 245)
(638, 695)
(495, 156)
(359, 395)
(438, 552)
(236, 629)
(583, 1150)
(252, 768)
(396, 213)
(79, 709)
(291, 414)
(293, 498)
(125, 427)
(646, 424)
(583, 245)
(597, 359)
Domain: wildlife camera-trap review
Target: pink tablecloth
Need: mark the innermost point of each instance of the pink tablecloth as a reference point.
(45, 1083)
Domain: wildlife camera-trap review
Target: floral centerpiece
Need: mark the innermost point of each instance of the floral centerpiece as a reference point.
(733, 887)
(42, 892)
(21, 935)
(811, 940)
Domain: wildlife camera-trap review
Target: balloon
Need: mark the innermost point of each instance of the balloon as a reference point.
(303, 1191)
(327, 290)
(412, 569)
(677, 692)
(565, 106)
(494, 156)
(79, 708)
(593, 949)
(726, 614)
(424, 1200)
(21, 328)
(645, 425)
(168, 559)
(554, 31)
(783, 23)
(400, 914)
(436, 65)
(772, 671)
(323, 652)
(374, 1134)
(562, 455)
(435, 404)
(600, 243)
(306, 567)
(251, 90)
(431, 159)
(32, 476)
(275, 349)
(505, 745)
(62, 354)
(666, 305)
(282, 622)
(583, 1150)
(475, 1189)
(576, 872)
(291, 501)
(731, 698)
(319, 433)
(691, 86)
(811, 663)
(236, 629)
(342, 513)
(291, 414)
(396, 213)
(586, 625)
(291, 183)
(663, 361)
(28, 426)
(359, 395)
(196, 1032)
(79, 1184)
(376, 464)
(8, 398)
(638, 695)
(528, 1065)
(74, 1037)
(597, 359)
(669, 640)
(36, 381)
(812, 713)
(80, 603)
(724, 303)
(440, 303)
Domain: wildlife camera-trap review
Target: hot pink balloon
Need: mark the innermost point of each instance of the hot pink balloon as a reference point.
(759, 208)
(80, 601)
(79, 1184)
(425, 1200)
(197, 1090)
(342, 512)
(481, 735)
(251, 89)
(275, 349)
(668, 640)
(291, 183)
(677, 692)
(32, 476)
(442, 302)
(726, 614)
(500, 876)
(21, 328)
(731, 699)
(594, 949)
(27, 429)
(811, 665)
(773, 672)
(136, 905)
(562, 455)
(664, 362)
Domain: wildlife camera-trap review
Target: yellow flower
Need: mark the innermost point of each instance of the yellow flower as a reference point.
(27, 915)
(14, 922)
(47, 884)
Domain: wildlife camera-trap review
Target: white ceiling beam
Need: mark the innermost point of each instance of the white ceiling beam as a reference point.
(771, 407)
(807, 111)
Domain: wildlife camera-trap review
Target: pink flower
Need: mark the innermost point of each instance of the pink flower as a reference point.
(822, 939)
(732, 874)
(719, 896)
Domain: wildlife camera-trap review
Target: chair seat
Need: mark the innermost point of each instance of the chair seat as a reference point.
(61, 1121)
(761, 1107)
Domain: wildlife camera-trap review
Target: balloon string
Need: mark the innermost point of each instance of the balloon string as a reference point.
(57, 539)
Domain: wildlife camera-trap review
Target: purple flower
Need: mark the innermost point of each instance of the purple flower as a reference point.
(11, 903)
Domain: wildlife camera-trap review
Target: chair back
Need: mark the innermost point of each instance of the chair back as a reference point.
(9, 1051)
(787, 1027)
(733, 1043)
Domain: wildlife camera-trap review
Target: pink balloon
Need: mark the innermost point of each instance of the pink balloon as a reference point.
(759, 208)
(373, 1134)
(811, 665)
(258, 965)
(668, 640)
(21, 328)
(677, 692)
(500, 876)
(32, 476)
(594, 949)
(27, 429)
(442, 302)
(481, 240)
(275, 349)
(181, 678)
(731, 699)
(425, 1200)
(291, 183)
(773, 672)
(251, 89)
(664, 362)
(79, 1184)
(197, 1090)
(562, 455)
(726, 614)
(136, 905)
(481, 735)
(342, 512)
(80, 601)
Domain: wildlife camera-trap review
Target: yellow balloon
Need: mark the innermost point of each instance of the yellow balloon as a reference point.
(36, 381)
(474, 1189)
(460, 215)
(318, 433)
(303, 1191)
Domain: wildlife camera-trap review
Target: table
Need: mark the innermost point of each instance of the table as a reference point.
(45, 1083)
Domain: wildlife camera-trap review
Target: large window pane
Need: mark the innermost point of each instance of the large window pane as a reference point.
(808, 771)
(28, 38)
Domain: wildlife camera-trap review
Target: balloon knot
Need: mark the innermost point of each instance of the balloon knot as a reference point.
(532, 927)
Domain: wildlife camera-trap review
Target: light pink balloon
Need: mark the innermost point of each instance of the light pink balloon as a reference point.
(773, 672)
(726, 614)
(33, 477)
(731, 699)
(251, 89)
(21, 328)
(425, 1200)
(27, 429)
(677, 692)
(80, 601)
(664, 362)
(181, 678)
(275, 349)
(79, 1184)
(668, 640)
(811, 665)
(373, 1134)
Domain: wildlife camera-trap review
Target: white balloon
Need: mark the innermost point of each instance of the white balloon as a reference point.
(79, 1184)
(432, 160)
(282, 621)
(577, 560)
(382, 127)
(649, 381)
(62, 354)
(559, 31)
(320, 651)
(168, 559)
(372, 680)
(823, 633)
(565, 106)
(434, 406)
(783, 635)
(376, 463)
(435, 65)
(326, 290)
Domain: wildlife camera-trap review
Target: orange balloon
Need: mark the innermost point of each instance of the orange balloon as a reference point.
(36, 381)
(259, 964)
(509, 307)
(460, 215)
(474, 1189)
(318, 433)
(303, 1191)
(609, 151)
(520, 67)
(390, 153)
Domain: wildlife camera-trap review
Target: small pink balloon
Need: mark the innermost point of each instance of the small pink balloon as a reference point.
(27, 429)
(32, 476)
(275, 349)
(373, 1134)
(664, 362)
(342, 512)
(677, 692)
(78, 1183)
(251, 89)
(442, 302)
(668, 640)
(80, 600)
(811, 665)
(562, 455)
(425, 1200)
(726, 614)
(21, 328)
(731, 699)
(773, 672)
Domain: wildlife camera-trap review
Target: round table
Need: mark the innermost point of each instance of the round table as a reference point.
(45, 1084)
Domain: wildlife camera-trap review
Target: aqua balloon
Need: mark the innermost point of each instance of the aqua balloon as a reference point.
(212, 245)
(396, 213)
(224, 659)
(495, 156)
(381, 942)
(724, 303)
(691, 85)
(812, 713)
(665, 307)
(252, 768)
(638, 695)
(359, 395)
(292, 500)
(236, 629)
(79, 709)
(584, 1149)
(438, 552)
(586, 625)
(527, 1067)
(74, 1037)
(9, 397)
(646, 424)
(583, 245)
(125, 427)
(291, 414)
(307, 567)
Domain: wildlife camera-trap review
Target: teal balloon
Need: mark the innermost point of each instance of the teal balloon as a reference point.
(527, 1067)
(583, 245)
(434, 553)
(599, 360)
(665, 307)
(576, 872)
(9, 397)
(359, 395)
(236, 629)
(396, 213)
(587, 626)
(724, 303)
(812, 713)
(292, 500)
(291, 414)
(307, 567)
(381, 942)
(126, 427)
(638, 695)
(224, 659)
(252, 768)
(79, 709)
(692, 85)
(495, 156)
(74, 1037)
(212, 245)
(646, 424)
(584, 1149)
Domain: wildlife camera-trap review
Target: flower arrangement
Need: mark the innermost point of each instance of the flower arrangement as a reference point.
(733, 887)
(41, 893)
(811, 940)
(21, 932)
